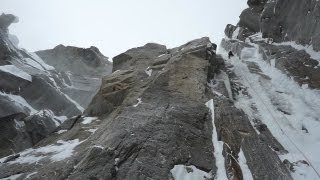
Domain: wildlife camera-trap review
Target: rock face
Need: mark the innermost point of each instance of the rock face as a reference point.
(152, 116)
(36, 97)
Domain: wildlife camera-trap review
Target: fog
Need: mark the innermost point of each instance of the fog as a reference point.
(115, 26)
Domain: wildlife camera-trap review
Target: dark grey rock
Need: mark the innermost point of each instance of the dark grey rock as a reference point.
(250, 18)
(11, 83)
(8, 107)
(6, 20)
(41, 125)
(13, 137)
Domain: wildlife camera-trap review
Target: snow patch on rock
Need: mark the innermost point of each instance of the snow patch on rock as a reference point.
(182, 172)
(16, 72)
(88, 120)
(56, 152)
(218, 145)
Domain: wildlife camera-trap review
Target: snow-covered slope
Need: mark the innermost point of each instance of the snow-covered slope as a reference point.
(35, 97)
(275, 77)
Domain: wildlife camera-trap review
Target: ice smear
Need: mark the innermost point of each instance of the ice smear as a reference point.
(218, 146)
(148, 71)
(29, 175)
(92, 130)
(16, 72)
(139, 102)
(61, 131)
(235, 33)
(182, 172)
(88, 120)
(247, 175)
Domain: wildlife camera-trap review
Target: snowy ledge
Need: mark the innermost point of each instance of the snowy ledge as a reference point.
(182, 172)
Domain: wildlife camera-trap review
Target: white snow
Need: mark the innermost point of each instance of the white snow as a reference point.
(235, 33)
(61, 119)
(139, 102)
(281, 92)
(29, 175)
(20, 102)
(56, 152)
(247, 175)
(161, 55)
(218, 146)
(98, 146)
(180, 172)
(61, 131)
(13, 177)
(92, 130)
(148, 71)
(16, 72)
(88, 120)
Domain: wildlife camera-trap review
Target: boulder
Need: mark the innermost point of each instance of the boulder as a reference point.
(13, 136)
(40, 125)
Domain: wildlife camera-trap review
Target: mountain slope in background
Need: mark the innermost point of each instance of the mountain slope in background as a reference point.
(35, 96)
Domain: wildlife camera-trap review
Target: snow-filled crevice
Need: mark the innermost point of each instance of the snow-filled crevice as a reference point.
(291, 112)
(218, 146)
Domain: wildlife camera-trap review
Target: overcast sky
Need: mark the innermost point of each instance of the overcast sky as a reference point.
(117, 25)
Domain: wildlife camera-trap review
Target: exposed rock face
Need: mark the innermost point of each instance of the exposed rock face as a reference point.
(29, 87)
(152, 117)
(41, 125)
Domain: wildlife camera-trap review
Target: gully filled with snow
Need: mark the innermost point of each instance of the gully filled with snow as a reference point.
(290, 111)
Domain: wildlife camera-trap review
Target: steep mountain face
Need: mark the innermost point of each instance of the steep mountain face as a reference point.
(82, 70)
(178, 113)
(276, 78)
(36, 97)
(152, 116)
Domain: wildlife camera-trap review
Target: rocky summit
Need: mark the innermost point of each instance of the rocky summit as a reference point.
(249, 110)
